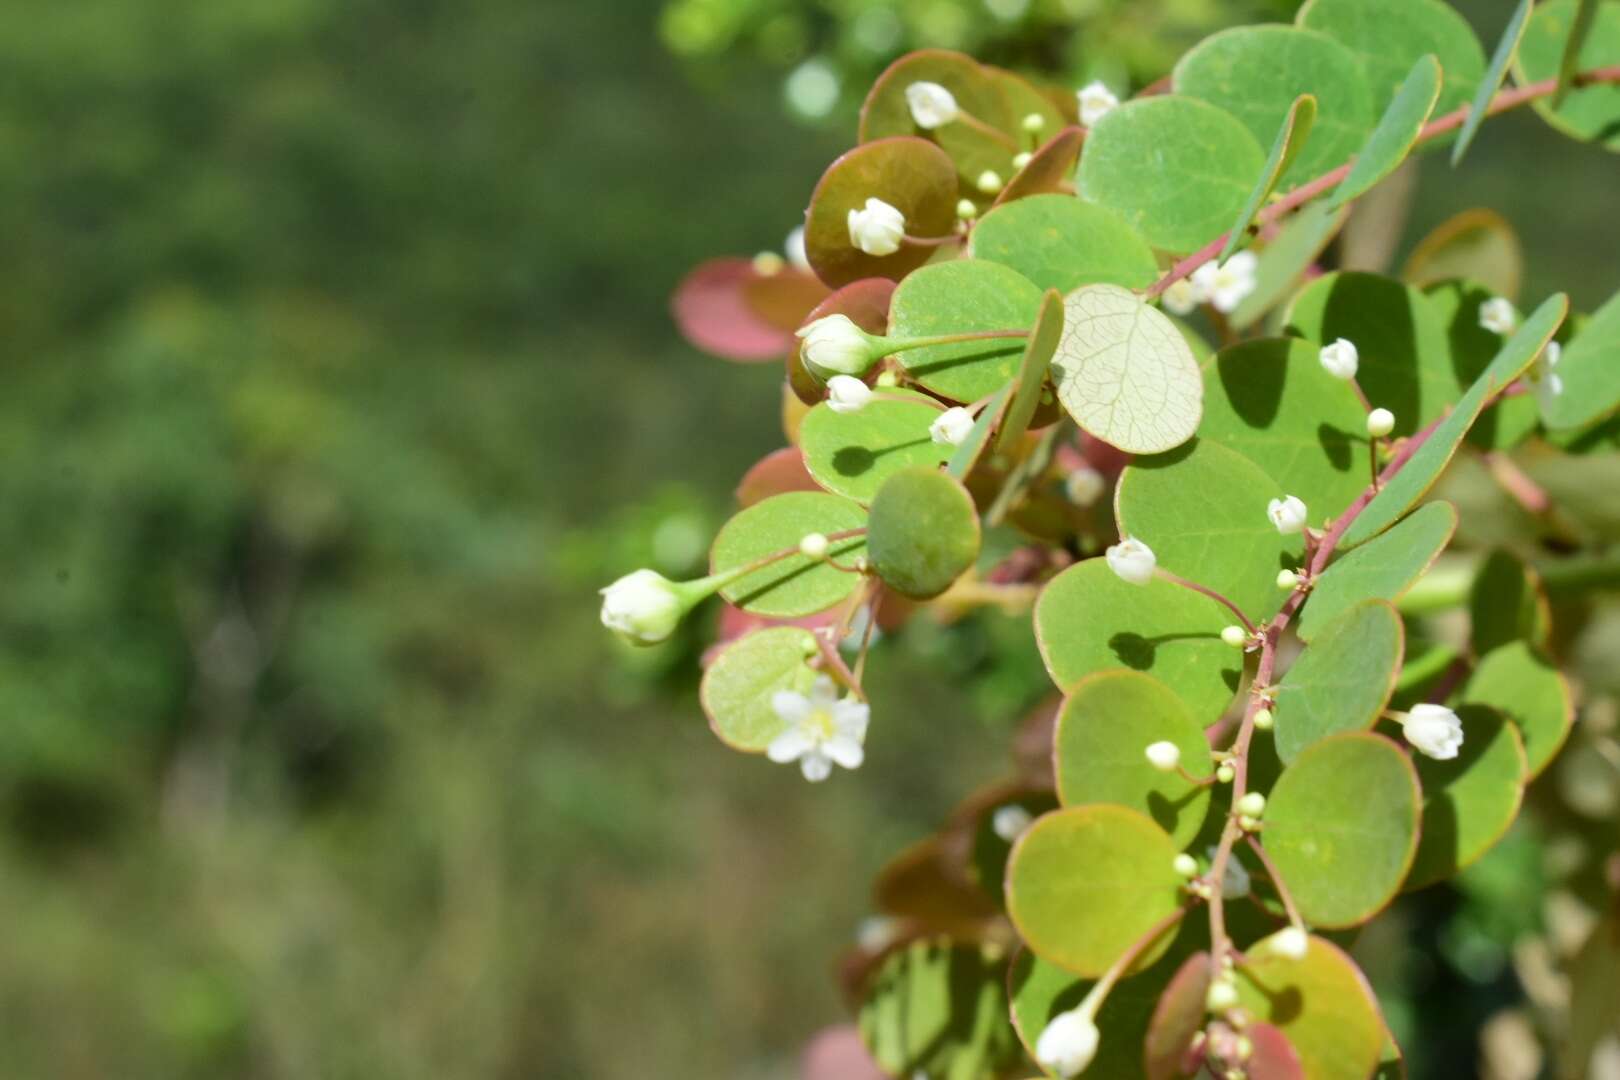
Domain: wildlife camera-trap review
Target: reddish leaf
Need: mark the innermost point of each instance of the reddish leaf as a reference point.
(910, 174)
(1274, 1057)
(777, 472)
(837, 1053)
(712, 311)
(1051, 170)
(1177, 1019)
(783, 300)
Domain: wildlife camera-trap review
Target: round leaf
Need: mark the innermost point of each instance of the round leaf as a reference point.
(1177, 169)
(1507, 603)
(737, 687)
(1125, 373)
(964, 296)
(1343, 679)
(1322, 1003)
(1519, 683)
(1177, 1019)
(1060, 242)
(1510, 420)
(939, 1008)
(1088, 620)
(791, 586)
(1588, 112)
(1477, 244)
(1389, 36)
(1470, 800)
(712, 311)
(1106, 722)
(912, 175)
(971, 147)
(923, 533)
(778, 472)
(1085, 883)
(1256, 73)
(1341, 828)
(852, 454)
(1383, 568)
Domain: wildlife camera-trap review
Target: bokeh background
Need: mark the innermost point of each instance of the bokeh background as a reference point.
(339, 375)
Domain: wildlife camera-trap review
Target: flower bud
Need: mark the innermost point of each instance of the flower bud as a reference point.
(1380, 422)
(1163, 755)
(877, 228)
(847, 394)
(1132, 561)
(1182, 297)
(643, 607)
(967, 209)
(814, 545)
(769, 264)
(989, 182)
(1010, 821)
(1287, 579)
(1253, 804)
(1034, 122)
(1340, 359)
(1185, 865)
(1225, 774)
(833, 345)
(1084, 486)
(1068, 1043)
(1434, 730)
(952, 427)
(1023, 159)
(932, 106)
(1497, 316)
(794, 248)
(1290, 942)
(1096, 101)
(1287, 513)
(1263, 719)
(1222, 995)
(1235, 636)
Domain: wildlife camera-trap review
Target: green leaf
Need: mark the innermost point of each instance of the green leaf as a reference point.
(792, 586)
(1202, 509)
(1088, 620)
(1506, 49)
(1405, 355)
(923, 533)
(1257, 72)
(1343, 679)
(1177, 169)
(1590, 373)
(1569, 62)
(1507, 603)
(1510, 420)
(737, 687)
(912, 175)
(1384, 568)
(1086, 882)
(1106, 723)
(940, 1008)
(1396, 133)
(964, 296)
(1589, 112)
(973, 148)
(1470, 800)
(1290, 138)
(1270, 400)
(1177, 1018)
(1286, 257)
(1518, 682)
(1125, 373)
(1341, 827)
(1322, 1003)
(1420, 472)
(1043, 342)
(969, 449)
(1389, 36)
(851, 454)
(1060, 242)
(1476, 245)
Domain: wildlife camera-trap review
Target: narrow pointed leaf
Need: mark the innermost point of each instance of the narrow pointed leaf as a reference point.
(1396, 133)
(1026, 395)
(1296, 128)
(1383, 568)
(1343, 679)
(1506, 49)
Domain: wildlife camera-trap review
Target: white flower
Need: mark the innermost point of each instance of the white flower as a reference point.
(1163, 755)
(1096, 101)
(1225, 286)
(952, 426)
(1069, 1043)
(1084, 486)
(1380, 422)
(1434, 730)
(1132, 561)
(794, 247)
(847, 394)
(833, 345)
(1287, 513)
(820, 730)
(1009, 822)
(1235, 636)
(1497, 316)
(642, 607)
(1548, 383)
(1181, 298)
(877, 229)
(1340, 359)
(1291, 942)
(932, 105)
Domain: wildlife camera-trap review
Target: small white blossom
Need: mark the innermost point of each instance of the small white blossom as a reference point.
(1548, 383)
(1132, 561)
(814, 545)
(989, 182)
(932, 106)
(1380, 422)
(1235, 636)
(820, 730)
(1291, 942)
(794, 248)
(642, 607)
(1068, 1043)
(847, 394)
(834, 345)
(1434, 730)
(1181, 298)
(1340, 359)
(1497, 316)
(1084, 486)
(1010, 821)
(877, 228)
(1163, 755)
(1185, 865)
(1287, 513)
(952, 427)
(1096, 101)
(1224, 287)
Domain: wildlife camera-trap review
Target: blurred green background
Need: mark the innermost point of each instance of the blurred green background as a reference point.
(340, 376)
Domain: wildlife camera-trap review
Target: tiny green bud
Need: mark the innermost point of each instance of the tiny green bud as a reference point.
(989, 182)
(1263, 719)
(814, 545)
(1034, 122)
(1222, 995)
(1253, 804)
(1244, 1047)
(888, 380)
(1186, 866)
(1247, 823)
(1225, 774)
(1235, 636)
(1287, 579)
(1022, 159)
(967, 209)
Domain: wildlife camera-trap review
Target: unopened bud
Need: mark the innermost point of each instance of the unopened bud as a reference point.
(1380, 422)
(989, 182)
(1034, 122)
(1163, 755)
(1253, 804)
(1186, 866)
(1221, 996)
(967, 209)
(1022, 159)
(1225, 774)
(1263, 719)
(814, 545)
(1287, 579)
(1235, 636)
